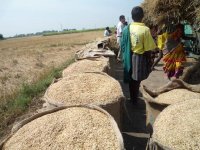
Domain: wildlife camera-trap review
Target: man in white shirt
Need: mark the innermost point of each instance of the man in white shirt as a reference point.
(120, 27)
(107, 32)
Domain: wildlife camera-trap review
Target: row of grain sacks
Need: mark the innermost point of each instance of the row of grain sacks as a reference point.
(173, 114)
(85, 112)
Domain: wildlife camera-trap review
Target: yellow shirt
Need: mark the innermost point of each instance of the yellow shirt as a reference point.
(141, 39)
(161, 40)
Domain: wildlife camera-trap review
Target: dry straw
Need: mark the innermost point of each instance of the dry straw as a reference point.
(180, 10)
(88, 65)
(77, 128)
(178, 126)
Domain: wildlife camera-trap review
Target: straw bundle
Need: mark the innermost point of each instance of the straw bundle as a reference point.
(176, 95)
(88, 65)
(172, 10)
(71, 128)
(178, 126)
(149, 18)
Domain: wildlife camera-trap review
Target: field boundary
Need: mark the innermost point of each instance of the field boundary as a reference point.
(14, 107)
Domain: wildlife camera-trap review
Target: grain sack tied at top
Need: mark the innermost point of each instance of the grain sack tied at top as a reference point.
(178, 126)
(73, 128)
(88, 65)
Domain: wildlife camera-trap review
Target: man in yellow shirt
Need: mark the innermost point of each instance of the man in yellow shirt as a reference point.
(141, 44)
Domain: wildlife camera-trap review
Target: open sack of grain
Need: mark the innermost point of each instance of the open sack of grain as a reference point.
(177, 127)
(75, 127)
(88, 65)
(87, 88)
(171, 93)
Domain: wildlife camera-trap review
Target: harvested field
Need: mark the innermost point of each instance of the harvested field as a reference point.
(177, 127)
(23, 60)
(70, 128)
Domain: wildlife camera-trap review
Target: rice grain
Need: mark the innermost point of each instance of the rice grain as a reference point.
(176, 95)
(178, 126)
(88, 65)
(77, 128)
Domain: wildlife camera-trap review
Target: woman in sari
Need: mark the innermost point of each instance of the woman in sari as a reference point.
(174, 54)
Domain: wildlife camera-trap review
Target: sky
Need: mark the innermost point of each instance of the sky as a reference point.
(31, 16)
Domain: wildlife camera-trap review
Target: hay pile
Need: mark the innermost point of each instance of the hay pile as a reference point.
(177, 10)
(178, 126)
(88, 65)
(72, 128)
(84, 88)
(192, 74)
(176, 95)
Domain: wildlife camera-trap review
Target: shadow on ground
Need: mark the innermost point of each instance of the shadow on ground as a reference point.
(134, 117)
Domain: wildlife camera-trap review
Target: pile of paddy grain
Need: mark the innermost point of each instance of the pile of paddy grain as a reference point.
(176, 95)
(84, 88)
(173, 92)
(70, 128)
(178, 126)
(88, 65)
(87, 88)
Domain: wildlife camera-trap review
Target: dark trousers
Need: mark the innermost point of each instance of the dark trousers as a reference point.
(134, 89)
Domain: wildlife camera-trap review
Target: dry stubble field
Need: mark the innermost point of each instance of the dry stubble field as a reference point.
(24, 60)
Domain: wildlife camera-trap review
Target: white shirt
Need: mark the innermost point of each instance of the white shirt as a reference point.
(120, 27)
(106, 33)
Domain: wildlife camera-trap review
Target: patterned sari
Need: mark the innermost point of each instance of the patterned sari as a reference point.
(173, 60)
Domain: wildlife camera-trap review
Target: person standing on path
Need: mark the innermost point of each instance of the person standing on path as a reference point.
(120, 27)
(136, 44)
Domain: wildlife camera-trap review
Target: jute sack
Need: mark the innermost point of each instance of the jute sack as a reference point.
(192, 74)
(73, 127)
(88, 88)
(93, 53)
(177, 127)
(173, 92)
(88, 65)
